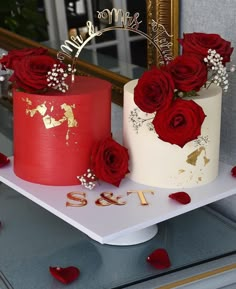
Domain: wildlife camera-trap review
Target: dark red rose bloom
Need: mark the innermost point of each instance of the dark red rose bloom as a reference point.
(180, 123)
(30, 73)
(13, 55)
(154, 90)
(188, 72)
(199, 43)
(110, 161)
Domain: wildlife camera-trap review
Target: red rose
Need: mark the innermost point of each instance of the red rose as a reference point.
(188, 72)
(30, 73)
(180, 123)
(199, 44)
(154, 90)
(110, 161)
(13, 55)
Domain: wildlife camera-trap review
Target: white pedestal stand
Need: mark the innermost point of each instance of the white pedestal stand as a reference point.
(136, 237)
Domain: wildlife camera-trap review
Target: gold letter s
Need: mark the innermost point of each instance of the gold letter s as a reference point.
(79, 197)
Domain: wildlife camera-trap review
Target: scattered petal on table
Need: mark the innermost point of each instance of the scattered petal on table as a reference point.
(65, 275)
(181, 197)
(4, 160)
(159, 259)
(233, 172)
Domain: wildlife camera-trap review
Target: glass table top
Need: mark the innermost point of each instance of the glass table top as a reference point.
(32, 240)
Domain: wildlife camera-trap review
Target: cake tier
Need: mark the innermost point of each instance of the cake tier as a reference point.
(54, 132)
(161, 164)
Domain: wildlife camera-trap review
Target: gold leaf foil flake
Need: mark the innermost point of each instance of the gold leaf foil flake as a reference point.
(206, 160)
(67, 134)
(27, 100)
(193, 157)
(41, 109)
(69, 115)
(51, 122)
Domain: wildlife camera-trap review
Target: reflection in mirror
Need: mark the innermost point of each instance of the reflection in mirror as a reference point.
(24, 17)
(120, 51)
(129, 51)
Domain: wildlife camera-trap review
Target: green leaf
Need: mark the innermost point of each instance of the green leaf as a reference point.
(184, 94)
(24, 19)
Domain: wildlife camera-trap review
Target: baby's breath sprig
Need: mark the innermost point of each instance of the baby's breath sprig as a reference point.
(88, 179)
(57, 75)
(138, 121)
(219, 74)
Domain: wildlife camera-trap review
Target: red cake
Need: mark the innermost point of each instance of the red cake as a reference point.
(55, 132)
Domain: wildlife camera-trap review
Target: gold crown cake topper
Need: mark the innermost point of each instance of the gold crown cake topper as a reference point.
(124, 21)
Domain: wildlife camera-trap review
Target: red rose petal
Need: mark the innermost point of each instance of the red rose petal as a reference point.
(159, 259)
(233, 172)
(4, 160)
(65, 275)
(181, 197)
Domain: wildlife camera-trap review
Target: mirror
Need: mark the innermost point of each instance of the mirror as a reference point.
(162, 11)
(166, 13)
(118, 50)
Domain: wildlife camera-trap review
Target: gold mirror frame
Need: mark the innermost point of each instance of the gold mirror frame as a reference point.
(165, 12)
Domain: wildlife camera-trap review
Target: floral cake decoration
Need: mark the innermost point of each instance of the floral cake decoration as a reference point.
(35, 71)
(163, 91)
(109, 163)
(160, 91)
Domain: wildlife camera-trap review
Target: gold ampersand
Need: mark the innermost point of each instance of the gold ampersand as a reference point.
(108, 198)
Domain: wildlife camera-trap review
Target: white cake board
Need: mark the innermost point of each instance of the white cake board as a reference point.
(128, 224)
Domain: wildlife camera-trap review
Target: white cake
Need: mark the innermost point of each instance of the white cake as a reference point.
(157, 163)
